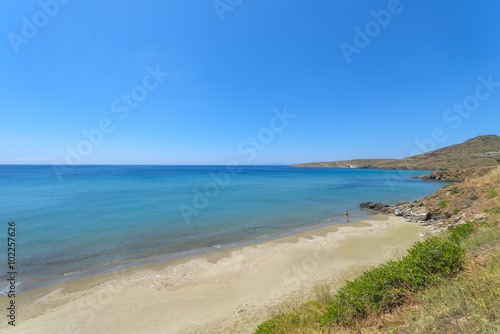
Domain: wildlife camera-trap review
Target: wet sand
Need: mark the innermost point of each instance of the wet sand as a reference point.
(229, 291)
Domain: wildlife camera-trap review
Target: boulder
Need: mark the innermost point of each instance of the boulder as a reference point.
(380, 206)
(399, 211)
(367, 205)
(420, 214)
(407, 211)
(439, 217)
(389, 209)
(480, 216)
(374, 206)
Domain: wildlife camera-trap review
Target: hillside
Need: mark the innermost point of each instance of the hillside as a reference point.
(481, 151)
(466, 200)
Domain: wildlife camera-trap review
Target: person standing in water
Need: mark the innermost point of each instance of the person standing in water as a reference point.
(347, 215)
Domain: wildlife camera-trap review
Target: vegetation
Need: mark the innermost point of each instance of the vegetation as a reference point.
(443, 204)
(471, 197)
(427, 290)
(378, 290)
(472, 153)
(454, 191)
(492, 193)
(384, 288)
(460, 232)
(470, 303)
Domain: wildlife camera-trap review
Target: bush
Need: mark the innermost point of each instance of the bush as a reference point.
(384, 288)
(454, 191)
(455, 211)
(492, 193)
(457, 233)
(443, 204)
(267, 327)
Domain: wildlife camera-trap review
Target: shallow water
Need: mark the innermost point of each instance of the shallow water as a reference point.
(95, 218)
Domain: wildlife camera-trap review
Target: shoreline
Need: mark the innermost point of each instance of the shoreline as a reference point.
(33, 285)
(214, 291)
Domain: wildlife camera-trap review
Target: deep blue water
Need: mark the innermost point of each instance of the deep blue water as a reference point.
(97, 218)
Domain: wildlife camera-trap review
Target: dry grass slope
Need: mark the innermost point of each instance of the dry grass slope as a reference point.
(467, 199)
(477, 152)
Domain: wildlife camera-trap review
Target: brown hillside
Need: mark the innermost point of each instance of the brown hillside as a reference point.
(476, 152)
(463, 201)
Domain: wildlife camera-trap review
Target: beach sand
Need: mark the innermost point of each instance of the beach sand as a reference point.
(229, 291)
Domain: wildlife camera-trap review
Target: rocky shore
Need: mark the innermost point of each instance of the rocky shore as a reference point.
(417, 212)
(471, 198)
(414, 212)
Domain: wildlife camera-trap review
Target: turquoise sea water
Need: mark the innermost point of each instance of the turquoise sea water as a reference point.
(95, 219)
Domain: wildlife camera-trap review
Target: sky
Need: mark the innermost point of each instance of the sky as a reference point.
(188, 82)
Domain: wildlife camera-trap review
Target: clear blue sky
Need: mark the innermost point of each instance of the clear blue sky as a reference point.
(73, 66)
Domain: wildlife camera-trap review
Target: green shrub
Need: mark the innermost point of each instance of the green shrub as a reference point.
(456, 211)
(443, 204)
(267, 327)
(454, 191)
(383, 288)
(492, 193)
(434, 257)
(448, 185)
(457, 233)
(498, 161)
(495, 210)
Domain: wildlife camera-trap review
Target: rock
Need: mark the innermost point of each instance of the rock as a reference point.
(414, 211)
(407, 211)
(480, 216)
(374, 206)
(439, 217)
(398, 211)
(367, 205)
(420, 214)
(389, 209)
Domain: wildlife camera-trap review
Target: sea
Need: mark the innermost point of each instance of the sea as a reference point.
(87, 220)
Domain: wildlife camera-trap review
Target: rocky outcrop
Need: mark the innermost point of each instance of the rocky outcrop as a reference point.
(414, 211)
(420, 214)
(472, 199)
(453, 205)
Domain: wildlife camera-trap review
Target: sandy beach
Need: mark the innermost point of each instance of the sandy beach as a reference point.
(229, 291)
